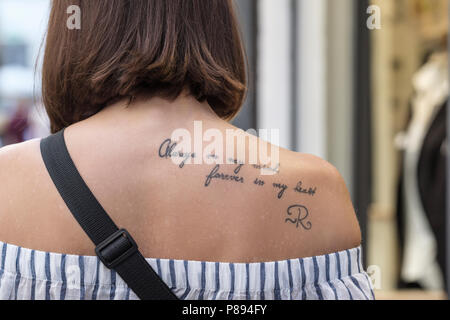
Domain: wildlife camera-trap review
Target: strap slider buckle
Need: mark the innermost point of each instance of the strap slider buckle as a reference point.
(116, 248)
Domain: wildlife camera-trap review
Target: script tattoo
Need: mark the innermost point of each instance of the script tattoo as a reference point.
(166, 151)
(166, 148)
(238, 163)
(259, 182)
(215, 174)
(282, 187)
(300, 215)
(308, 191)
(268, 168)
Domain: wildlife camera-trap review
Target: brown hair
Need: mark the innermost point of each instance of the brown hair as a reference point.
(125, 48)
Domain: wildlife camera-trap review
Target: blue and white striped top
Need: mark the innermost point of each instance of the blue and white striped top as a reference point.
(29, 274)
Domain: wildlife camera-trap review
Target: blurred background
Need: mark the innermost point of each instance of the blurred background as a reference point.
(361, 83)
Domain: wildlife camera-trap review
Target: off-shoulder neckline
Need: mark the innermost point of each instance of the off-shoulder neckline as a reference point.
(88, 257)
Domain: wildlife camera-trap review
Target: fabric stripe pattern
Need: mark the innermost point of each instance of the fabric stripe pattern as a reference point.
(32, 274)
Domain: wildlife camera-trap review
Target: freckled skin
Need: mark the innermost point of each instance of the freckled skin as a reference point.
(240, 216)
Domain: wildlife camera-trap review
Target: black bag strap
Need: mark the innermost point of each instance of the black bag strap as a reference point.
(115, 248)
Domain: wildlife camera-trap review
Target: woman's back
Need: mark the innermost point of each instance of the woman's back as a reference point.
(169, 209)
(173, 211)
(139, 87)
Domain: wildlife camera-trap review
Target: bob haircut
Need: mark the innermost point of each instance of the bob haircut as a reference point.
(125, 48)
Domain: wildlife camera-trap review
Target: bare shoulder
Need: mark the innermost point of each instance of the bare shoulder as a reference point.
(18, 170)
(318, 186)
(304, 207)
(21, 189)
(14, 159)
